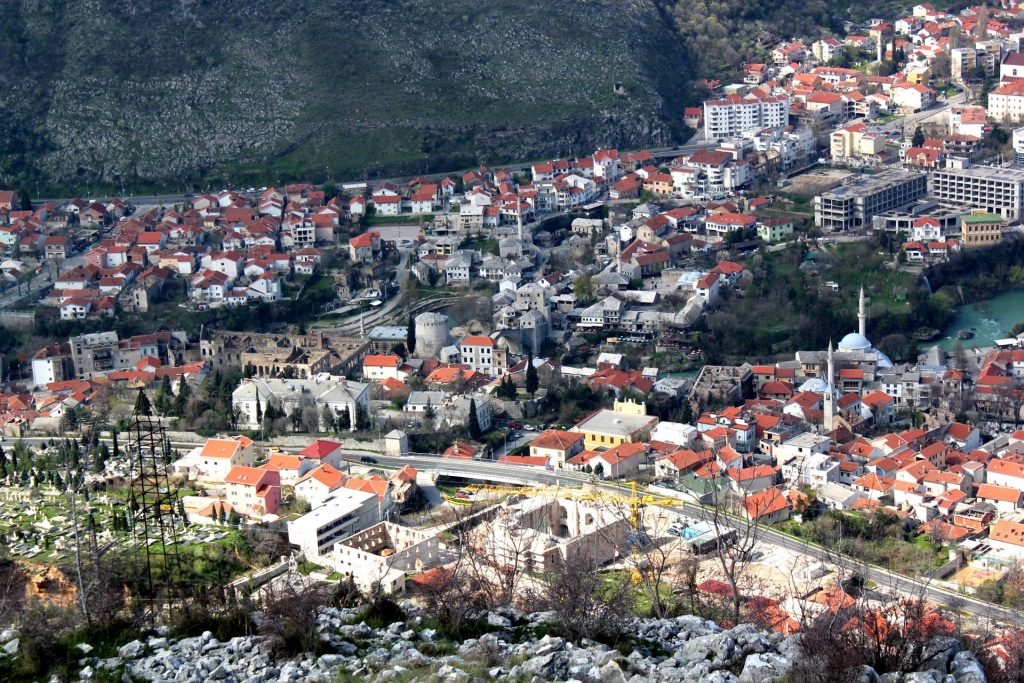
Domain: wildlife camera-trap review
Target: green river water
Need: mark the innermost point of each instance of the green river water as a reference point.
(990, 319)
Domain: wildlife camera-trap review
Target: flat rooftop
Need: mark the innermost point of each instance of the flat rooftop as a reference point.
(1015, 175)
(857, 186)
(611, 423)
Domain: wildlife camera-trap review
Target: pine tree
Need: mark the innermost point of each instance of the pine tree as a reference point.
(918, 139)
(410, 336)
(474, 422)
(532, 383)
(113, 438)
(181, 400)
(343, 423)
(259, 412)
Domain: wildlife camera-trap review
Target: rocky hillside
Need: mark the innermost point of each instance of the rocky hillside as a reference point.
(682, 649)
(105, 91)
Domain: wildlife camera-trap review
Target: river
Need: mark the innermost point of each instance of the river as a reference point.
(990, 319)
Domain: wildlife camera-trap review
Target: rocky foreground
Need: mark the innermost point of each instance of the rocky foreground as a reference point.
(682, 649)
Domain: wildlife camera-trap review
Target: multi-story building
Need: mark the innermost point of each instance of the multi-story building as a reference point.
(1018, 147)
(1006, 103)
(342, 514)
(980, 229)
(477, 352)
(992, 190)
(97, 353)
(734, 115)
(853, 204)
(323, 392)
(253, 491)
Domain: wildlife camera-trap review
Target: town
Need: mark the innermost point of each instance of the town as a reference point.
(366, 383)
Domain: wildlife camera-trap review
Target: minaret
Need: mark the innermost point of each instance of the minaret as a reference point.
(862, 315)
(362, 328)
(829, 399)
(519, 218)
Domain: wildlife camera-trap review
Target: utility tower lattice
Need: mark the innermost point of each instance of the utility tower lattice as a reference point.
(152, 506)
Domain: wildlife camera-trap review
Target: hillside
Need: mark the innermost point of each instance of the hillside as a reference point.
(106, 91)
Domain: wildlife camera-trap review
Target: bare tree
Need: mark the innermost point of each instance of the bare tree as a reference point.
(290, 615)
(586, 605)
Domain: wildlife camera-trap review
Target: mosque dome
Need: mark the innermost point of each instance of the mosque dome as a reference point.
(854, 342)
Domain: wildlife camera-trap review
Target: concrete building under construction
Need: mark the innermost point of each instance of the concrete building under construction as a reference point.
(539, 533)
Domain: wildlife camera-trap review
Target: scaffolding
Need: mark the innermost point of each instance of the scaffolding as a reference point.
(152, 506)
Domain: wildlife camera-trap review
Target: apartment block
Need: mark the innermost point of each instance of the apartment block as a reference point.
(734, 115)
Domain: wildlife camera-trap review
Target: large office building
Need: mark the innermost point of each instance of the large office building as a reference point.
(733, 115)
(853, 204)
(991, 190)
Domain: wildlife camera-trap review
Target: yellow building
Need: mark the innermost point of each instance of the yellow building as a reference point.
(626, 422)
(981, 229)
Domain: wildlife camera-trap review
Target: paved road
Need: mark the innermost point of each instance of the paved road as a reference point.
(882, 577)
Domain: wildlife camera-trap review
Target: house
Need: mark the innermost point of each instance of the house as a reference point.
(55, 247)
(213, 460)
(751, 479)
(768, 506)
(1004, 498)
(318, 483)
(381, 367)
(1007, 538)
(253, 491)
(557, 446)
(621, 461)
(323, 452)
(362, 248)
(478, 353)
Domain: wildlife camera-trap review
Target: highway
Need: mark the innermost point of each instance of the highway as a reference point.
(884, 579)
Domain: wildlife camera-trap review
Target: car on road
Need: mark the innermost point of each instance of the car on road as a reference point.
(529, 428)
(368, 460)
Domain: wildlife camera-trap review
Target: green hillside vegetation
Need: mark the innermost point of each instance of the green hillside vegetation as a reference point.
(98, 93)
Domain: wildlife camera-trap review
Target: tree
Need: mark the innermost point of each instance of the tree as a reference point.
(918, 139)
(587, 606)
(343, 422)
(295, 417)
(473, 424)
(259, 412)
(399, 350)
(162, 401)
(328, 419)
(583, 288)
(410, 335)
(531, 375)
(24, 200)
(113, 438)
(181, 400)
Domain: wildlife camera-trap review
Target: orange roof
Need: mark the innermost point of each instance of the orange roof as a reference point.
(220, 448)
(477, 340)
(407, 473)
(1008, 532)
(375, 484)
(283, 461)
(326, 475)
(381, 361)
(1003, 494)
(249, 476)
(764, 503)
(556, 439)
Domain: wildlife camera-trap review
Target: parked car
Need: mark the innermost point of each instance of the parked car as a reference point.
(368, 460)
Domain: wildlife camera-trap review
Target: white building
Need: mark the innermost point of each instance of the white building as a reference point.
(344, 513)
(213, 460)
(734, 115)
(323, 391)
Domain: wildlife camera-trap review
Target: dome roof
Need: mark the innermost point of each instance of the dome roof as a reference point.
(854, 342)
(814, 384)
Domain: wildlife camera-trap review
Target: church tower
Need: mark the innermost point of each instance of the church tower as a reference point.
(862, 315)
(829, 400)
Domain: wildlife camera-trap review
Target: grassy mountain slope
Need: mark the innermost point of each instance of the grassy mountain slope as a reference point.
(105, 91)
